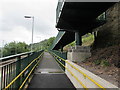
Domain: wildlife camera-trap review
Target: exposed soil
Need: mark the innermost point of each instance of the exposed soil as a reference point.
(109, 71)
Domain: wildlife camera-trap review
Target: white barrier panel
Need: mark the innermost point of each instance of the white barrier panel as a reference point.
(88, 83)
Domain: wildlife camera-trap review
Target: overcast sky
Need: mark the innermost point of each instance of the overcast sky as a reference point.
(14, 27)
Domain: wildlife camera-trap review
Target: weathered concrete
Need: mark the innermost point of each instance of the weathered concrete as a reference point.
(85, 80)
(78, 53)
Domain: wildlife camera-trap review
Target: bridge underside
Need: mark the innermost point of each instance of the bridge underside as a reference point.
(80, 17)
(63, 38)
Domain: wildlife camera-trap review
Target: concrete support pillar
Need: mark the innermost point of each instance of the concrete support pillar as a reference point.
(78, 53)
(95, 37)
(78, 38)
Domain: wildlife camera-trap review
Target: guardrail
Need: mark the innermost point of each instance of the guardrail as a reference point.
(60, 54)
(59, 9)
(14, 56)
(59, 59)
(57, 40)
(16, 73)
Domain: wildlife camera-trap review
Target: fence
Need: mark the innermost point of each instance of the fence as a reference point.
(81, 79)
(59, 53)
(16, 69)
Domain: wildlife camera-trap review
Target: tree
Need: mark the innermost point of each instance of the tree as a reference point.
(15, 48)
(44, 45)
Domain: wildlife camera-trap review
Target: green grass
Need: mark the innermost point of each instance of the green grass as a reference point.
(87, 40)
(102, 62)
(97, 62)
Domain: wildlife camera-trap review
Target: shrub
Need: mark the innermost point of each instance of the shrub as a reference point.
(97, 62)
(104, 63)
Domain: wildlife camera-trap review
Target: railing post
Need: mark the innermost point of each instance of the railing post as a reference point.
(28, 58)
(18, 70)
(28, 63)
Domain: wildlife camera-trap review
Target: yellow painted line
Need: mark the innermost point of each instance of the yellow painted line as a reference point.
(59, 57)
(21, 73)
(28, 75)
(73, 75)
(60, 62)
(86, 76)
(82, 73)
(77, 79)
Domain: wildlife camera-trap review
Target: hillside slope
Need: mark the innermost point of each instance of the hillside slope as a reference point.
(105, 62)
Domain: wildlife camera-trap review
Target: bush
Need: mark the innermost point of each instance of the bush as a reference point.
(97, 62)
(104, 63)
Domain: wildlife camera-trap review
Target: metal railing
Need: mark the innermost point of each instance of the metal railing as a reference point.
(102, 16)
(101, 19)
(59, 53)
(57, 39)
(62, 55)
(15, 70)
(14, 56)
(59, 9)
(59, 59)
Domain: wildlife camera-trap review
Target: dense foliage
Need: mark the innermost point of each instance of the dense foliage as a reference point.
(87, 40)
(44, 45)
(14, 48)
(20, 47)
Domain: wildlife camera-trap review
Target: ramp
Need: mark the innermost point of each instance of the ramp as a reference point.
(50, 75)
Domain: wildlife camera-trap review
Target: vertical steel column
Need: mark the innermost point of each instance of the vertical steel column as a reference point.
(61, 47)
(78, 38)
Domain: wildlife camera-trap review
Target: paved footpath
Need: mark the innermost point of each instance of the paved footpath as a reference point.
(49, 75)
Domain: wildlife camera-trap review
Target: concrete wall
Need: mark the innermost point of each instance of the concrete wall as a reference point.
(78, 56)
(109, 33)
(78, 53)
(86, 81)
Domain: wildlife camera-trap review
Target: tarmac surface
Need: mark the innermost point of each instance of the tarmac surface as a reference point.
(50, 75)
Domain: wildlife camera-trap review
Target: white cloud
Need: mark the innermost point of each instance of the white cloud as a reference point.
(15, 27)
(18, 33)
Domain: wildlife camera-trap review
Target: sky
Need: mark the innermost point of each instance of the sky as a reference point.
(14, 27)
